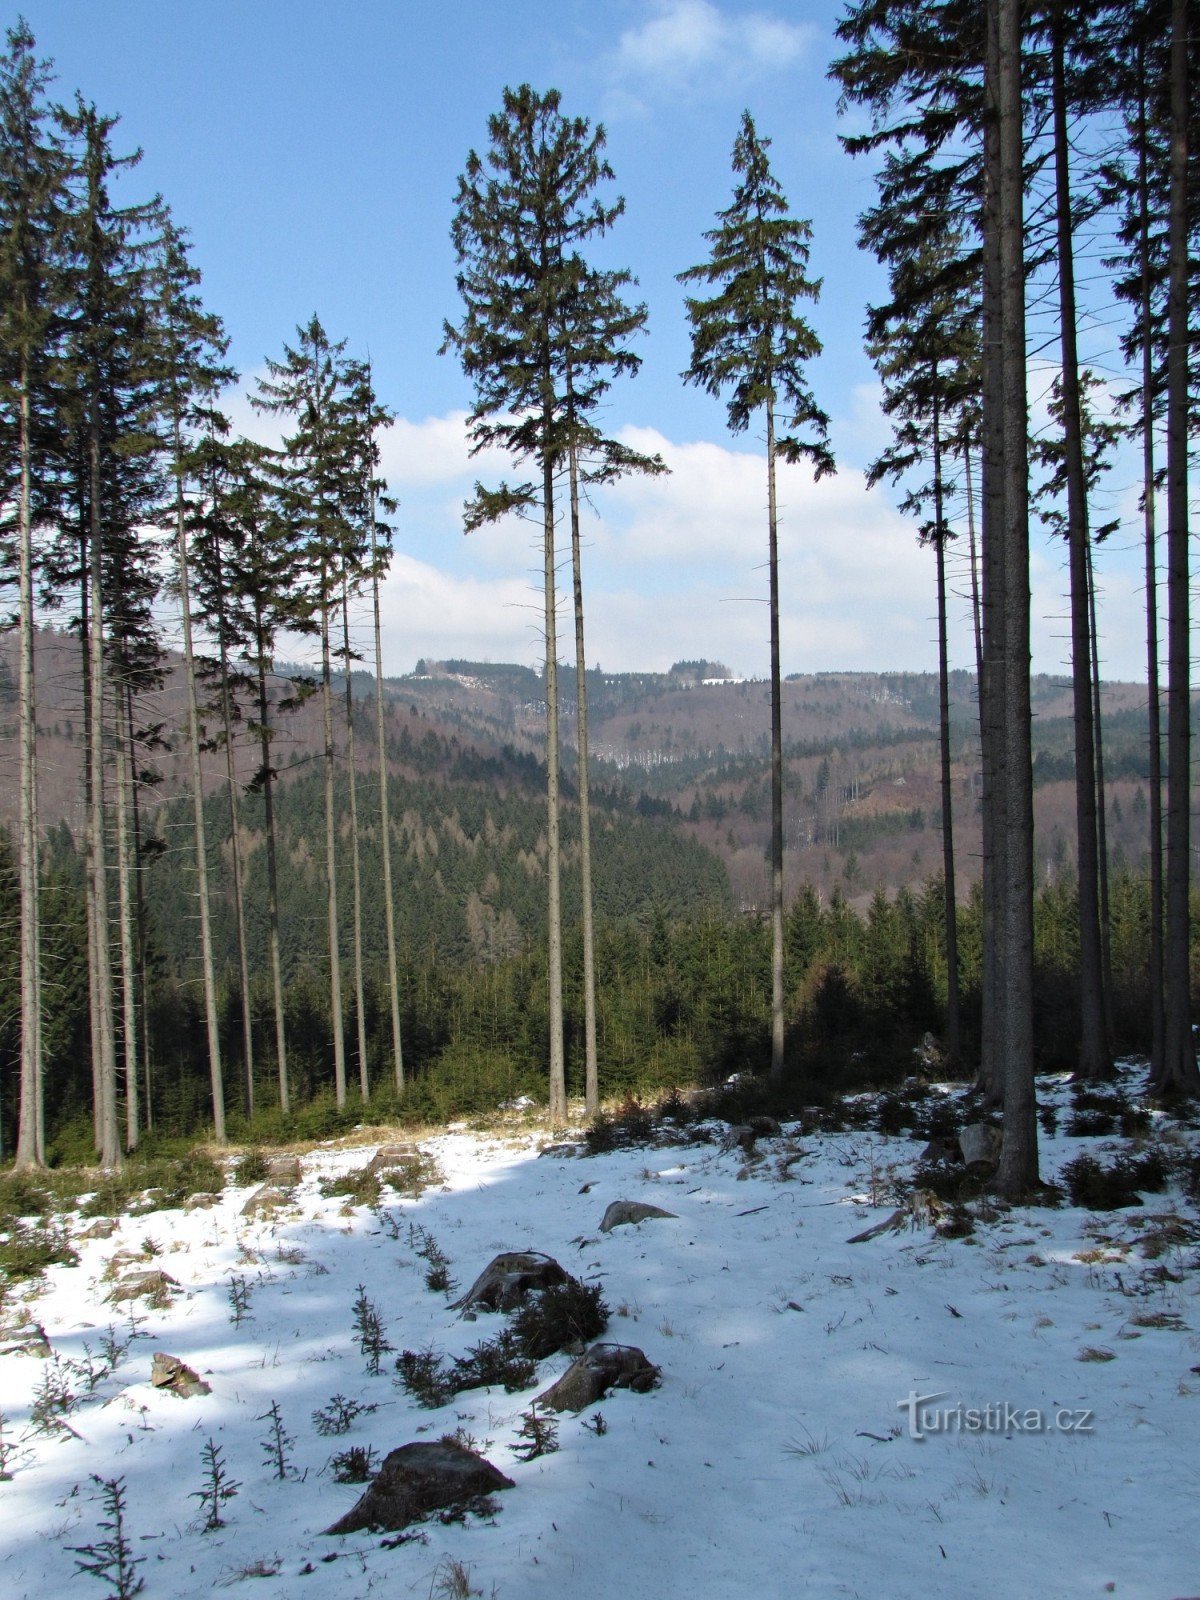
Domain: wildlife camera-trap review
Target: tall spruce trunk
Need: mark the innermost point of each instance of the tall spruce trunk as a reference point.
(385, 815)
(104, 1054)
(558, 1075)
(268, 788)
(129, 1028)
(1018, 1169)
(1179, 1074)
(949, 889)
(85, 652)
(139, 879)
(1153, 692)
(199, 831)
(237, 860)
(776, 758)
(360, 1008)
(30, 1150)
(1101, 809)
(238, 871)
(991, 681)
(1094, 1060)
(591, 1068)
(331, 898)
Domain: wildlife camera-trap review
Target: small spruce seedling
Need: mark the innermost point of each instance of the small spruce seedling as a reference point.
(110, 1556)
(368, 1331)
(278, 1441)
(217, 1487)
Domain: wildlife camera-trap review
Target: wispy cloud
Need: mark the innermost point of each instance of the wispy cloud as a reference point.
(689, 45)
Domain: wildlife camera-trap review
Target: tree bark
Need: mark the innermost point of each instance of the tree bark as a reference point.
(558, 1077)
(776, 758)
(103, 1041)
(211, 1019)
(591, 1068)
(129, 1033)
(1153, 691)
(1094, 1060)
(331, 901)
(268, 787)
(1179, 1075)
(30, 1150)
(1018, 1171)
(385, 817)
(950, 898)
(360, 1009)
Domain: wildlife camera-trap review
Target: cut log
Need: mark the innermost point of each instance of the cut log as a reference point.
(980, 1144)
(595, 1372)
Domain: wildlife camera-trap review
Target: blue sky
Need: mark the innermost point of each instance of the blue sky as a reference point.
(313, 152)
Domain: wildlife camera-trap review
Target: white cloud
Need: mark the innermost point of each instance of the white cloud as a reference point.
(686, 42)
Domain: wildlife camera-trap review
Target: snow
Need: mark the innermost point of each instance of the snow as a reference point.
(775, 1458)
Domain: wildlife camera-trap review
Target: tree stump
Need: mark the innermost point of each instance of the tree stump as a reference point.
(595, 1372)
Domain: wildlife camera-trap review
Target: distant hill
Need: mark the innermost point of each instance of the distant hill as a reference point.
(686, 747)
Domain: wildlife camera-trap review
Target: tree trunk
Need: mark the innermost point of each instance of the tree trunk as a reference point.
(1179, 1074)
(776, 759)
(139, 876)
(212, 1024)
(129, 1031)
(991, 682)
(1094, 1059)
(1153, 693)
(950, 899)
(268, 781)
(1018, 1171)
(1101, 810)
(239, 877)
(335, 964)
(30, 1137)
(360, 1009)
(100, 960)
(591, 1069)
(558, 1076)
(385, 818)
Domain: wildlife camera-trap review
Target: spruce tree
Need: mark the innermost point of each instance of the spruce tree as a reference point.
(749, 338)
(33, 171)
(521, 216)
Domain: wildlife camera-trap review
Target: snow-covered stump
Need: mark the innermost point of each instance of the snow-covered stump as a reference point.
(595, 1372)
(418, 1479)
(508, 1279)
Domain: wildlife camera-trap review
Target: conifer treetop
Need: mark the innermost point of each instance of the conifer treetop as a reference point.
(749, 338)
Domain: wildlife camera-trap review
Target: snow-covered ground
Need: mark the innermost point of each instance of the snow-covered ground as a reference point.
(775, 1459)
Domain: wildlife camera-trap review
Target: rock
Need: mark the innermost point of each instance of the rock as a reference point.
(283, 1171)
(559, 1152)
(980, 1145)
(154, 1286)
(268, 1197)
(418, 1479)
(168, 1372)
(24, 1339)
(102, 1228)
(622, 1211)
(201, 1202)
(597, 1370)
(508, 1278)
(764, 1127)
(390, 1156)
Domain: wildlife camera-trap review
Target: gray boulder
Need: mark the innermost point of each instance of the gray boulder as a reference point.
(595, 1372)
(622, 1211)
